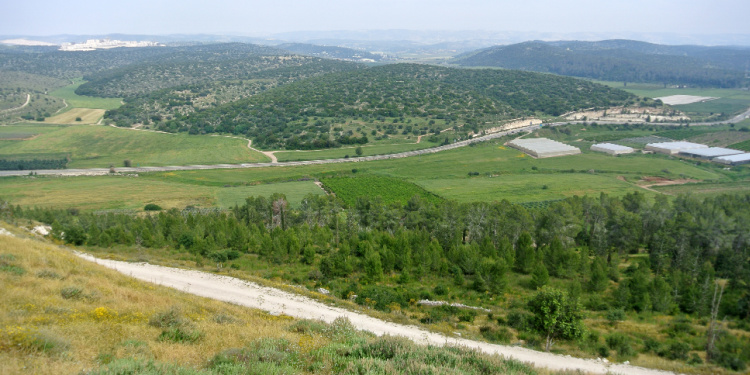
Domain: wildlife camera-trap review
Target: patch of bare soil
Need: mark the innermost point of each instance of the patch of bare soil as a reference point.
(649, 181)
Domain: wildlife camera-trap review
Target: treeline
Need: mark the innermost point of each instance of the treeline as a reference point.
(32, 164)
(330, 52)
(617, 62)
(677, 252)
(304, 110)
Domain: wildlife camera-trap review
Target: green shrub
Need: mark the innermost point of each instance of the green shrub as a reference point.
(181, 334)
(496, 335)
(622, 344)
(519, 319)
(152, 207)
(615, 315)
(48, 274)
(13, 269)
(167, 319)
(71, 292)
(675, 350)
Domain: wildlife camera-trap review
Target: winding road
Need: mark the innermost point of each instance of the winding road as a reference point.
(275, 301)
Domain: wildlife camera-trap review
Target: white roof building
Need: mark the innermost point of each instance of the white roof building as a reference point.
(543, 147)
(612, 149)
(672, 148)
(733, 159)
(710, 153)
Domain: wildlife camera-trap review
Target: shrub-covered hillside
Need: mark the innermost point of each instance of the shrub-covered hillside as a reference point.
(621, 60)
(302, 113)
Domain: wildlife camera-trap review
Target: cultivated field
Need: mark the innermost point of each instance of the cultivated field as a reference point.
(70, 117)
(78, 101)
(102, 146)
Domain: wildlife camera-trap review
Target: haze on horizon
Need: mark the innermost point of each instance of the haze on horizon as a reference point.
(261, 18)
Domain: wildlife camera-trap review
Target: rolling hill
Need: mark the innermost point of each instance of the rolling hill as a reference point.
(621, 60)
(301, 114)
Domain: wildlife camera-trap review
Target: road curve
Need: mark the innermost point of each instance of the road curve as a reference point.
(104, 171)
(245, 293)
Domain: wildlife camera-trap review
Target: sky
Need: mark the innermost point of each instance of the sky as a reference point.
(261, 18)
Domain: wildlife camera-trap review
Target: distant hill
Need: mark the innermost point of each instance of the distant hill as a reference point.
(330, 52)
(621, 60)
(301, 114)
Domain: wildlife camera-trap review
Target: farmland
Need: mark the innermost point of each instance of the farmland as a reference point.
(80, 101)
(390, 190)
(76, 116)
(102, 146)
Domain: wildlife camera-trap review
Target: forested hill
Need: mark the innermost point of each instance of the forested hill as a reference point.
(48, 61)
(203, 65)
(302, 111)
(621, 60)
(331, 52)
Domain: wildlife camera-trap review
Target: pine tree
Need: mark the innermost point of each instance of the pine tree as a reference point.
(540, 276)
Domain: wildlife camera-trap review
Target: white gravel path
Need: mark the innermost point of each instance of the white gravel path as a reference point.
(229, 289)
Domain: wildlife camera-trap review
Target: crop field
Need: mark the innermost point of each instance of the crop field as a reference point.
(133, 193)
(526, 188)
(102, 146)
(343, 152)
(390, 190)
(86, 115)
(78, 101)
(486, 171)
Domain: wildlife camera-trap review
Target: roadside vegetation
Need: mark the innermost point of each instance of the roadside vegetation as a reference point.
(63, 315)
(659, 283)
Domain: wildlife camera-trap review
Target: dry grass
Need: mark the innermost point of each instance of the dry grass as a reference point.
(87, 115)
(109, 319)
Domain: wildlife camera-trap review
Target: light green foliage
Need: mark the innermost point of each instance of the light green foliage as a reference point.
(556, 316)
(79, 101)
(388, 189)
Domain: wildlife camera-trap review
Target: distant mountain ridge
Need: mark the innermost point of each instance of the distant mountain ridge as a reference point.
(621, 60)
(331, 52)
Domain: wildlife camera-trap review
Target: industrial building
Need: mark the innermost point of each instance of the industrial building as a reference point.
(733, 159)
(710, 153)
(612, 149)
(673, 148)
(543, 147)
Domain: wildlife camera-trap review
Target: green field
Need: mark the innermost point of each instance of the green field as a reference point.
(102, 146)
(132, 193)
(342, 152)
(390, 190)
(78, 101)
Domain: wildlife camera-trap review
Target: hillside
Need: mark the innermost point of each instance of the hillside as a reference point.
(330, 52)
(621, 60)
(201, 65)
(304, 113)
(64, 315)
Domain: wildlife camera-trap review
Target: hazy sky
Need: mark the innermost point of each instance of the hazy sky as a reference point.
(250, 17)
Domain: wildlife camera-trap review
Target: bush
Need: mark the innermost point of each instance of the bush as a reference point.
(519, 319)
(167, 319)
(71, 292)
(181, 334)
(152, 207)
(622, 344)
(499, 335)
(675, 350)
(615, 315)
(48, 274)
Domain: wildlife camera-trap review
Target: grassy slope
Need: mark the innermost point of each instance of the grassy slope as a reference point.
(79, 101)
(99, 146)
(369, 150)
(107, 325)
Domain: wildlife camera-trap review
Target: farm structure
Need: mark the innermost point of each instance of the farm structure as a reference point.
(543, 147)
(733, 159)
(612, 149)
(710, 153)
(673, 148)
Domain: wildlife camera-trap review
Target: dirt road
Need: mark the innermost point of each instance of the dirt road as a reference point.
(276, 301)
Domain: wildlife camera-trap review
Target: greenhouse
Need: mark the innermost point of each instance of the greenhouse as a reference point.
(672, 148)
(543, 147)
(710, 153)
(612, 149)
